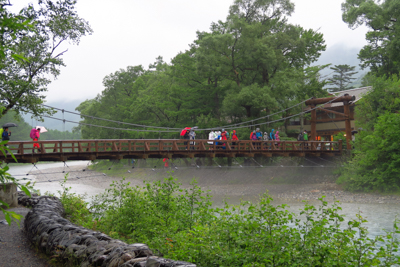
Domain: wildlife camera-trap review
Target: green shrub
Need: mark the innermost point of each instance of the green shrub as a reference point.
(179, 223)
(376, 161)
(76, 208)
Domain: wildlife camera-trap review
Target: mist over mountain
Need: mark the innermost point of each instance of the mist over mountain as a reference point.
(58, 124)
(340, 54)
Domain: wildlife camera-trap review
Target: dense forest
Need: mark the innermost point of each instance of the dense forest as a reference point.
(250, 65)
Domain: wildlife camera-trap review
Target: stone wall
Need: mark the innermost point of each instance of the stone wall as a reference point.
(52, 234)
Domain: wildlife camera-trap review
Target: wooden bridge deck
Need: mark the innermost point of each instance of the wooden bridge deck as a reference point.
(63, 150)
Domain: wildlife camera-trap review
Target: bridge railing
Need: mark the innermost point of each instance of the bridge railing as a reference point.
(165, 145)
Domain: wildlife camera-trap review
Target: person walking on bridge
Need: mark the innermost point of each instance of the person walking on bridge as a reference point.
(265, 137)
(305, 138)
(277, 138)
(234, 138)
(5, 136)
(211, 136)
(224, 137)
(272, 136)
(259, 137)
(192, 136)
(253, 136)
(36, 136)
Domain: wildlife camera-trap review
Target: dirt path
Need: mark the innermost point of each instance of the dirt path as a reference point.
(15, 250)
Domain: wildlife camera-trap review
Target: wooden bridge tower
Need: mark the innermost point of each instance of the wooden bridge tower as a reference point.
(346, 99)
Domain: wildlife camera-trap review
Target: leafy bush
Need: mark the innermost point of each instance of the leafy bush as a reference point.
(180, 223)
(376, 162)
(76, 208)
(375, 165)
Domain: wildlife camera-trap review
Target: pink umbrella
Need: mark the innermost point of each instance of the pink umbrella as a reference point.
(42, 129)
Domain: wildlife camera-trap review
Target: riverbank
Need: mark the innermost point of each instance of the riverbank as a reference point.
(285, 185)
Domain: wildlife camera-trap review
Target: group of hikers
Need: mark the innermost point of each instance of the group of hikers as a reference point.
(256, 135)
(34, 135)
(190, 134)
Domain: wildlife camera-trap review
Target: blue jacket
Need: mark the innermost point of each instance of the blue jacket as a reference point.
(217, 138)
(5, 136)
(259, 135)
(272, 135)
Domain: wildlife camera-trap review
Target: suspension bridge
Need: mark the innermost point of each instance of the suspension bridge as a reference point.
(115, 149)
(64, 150)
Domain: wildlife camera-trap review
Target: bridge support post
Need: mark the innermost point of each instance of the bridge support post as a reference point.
(313, 124)
(210, 157)
(229, 161)
(347, 123)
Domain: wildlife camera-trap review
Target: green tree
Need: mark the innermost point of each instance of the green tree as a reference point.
(384, 97)
(342, 77)
(375, 161)
(256, 45)
(116, 102)
(12, 26)
(23, 82)
(253, 63)
(381, 53)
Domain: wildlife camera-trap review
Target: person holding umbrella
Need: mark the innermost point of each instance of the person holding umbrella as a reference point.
(36, 138)
(5, 136)
(7, 125)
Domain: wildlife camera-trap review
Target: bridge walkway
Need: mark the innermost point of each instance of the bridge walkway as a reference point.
(64, 150)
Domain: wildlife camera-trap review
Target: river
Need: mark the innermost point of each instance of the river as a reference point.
(23, 173)
(380, 216)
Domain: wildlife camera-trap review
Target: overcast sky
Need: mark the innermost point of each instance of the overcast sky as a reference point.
(135, 32)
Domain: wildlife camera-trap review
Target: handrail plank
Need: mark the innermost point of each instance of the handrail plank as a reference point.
(110, 148)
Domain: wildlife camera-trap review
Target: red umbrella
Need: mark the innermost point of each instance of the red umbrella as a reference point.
(184, 130)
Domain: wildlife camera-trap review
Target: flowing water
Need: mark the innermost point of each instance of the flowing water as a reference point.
(379, 216)
(22, 172)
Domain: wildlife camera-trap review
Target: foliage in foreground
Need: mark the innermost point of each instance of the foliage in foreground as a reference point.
(180, 224)
(5, 178)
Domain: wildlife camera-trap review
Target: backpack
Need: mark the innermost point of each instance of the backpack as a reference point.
(33, 134)
(300, 137)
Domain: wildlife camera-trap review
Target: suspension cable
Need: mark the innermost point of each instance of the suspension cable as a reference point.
(174, 130)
